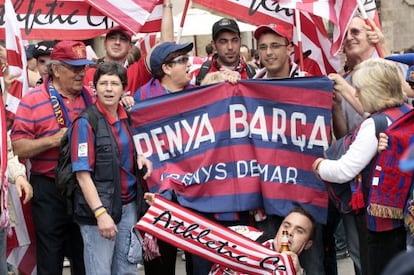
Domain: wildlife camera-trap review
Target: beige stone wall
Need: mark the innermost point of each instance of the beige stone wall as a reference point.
(397, 20)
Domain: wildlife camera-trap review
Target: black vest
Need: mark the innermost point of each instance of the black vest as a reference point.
(106, 176)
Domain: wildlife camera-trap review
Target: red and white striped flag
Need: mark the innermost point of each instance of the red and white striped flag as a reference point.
(146, 42)
(20, 252)
(193, 233)
(21, 244)
(346, 11)
(4, 218)
(339, 12)
(38, 20)
(321, 8)
(153, 23)
(16, 58)
(131, 14)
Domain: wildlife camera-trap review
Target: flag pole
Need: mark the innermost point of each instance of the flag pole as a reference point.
(180, 31)
(365, 17)
(299, 35)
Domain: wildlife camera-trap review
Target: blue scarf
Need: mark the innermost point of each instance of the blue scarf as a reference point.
(59, 107)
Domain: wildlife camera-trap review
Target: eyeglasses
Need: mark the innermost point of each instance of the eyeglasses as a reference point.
(74, 69)
(272, 46)
(182, 59)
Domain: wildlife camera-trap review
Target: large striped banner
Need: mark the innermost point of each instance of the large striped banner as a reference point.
(79, 20)
(230, 148)
(193, 233)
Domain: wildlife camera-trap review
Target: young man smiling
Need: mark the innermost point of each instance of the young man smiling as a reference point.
(274, 45)
(117, 44)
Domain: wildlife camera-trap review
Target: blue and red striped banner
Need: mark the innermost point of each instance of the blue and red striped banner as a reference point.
(230, 148)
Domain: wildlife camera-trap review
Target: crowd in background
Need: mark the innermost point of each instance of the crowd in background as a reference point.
(97, 237)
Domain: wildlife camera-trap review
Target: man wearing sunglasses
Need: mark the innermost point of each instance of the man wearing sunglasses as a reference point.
(347, 113)
(169, 65)
(42, 118)
(359, 45)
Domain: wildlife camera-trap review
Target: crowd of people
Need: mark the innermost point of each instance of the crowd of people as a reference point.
(89, 102)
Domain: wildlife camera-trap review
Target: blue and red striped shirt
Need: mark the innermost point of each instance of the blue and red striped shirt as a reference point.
(35, 118)
(82, 141)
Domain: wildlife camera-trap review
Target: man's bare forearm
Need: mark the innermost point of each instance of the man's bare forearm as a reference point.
(27, 148)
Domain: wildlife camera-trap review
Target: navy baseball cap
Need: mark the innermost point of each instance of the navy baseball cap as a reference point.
(408, 59)
(225, 24)
(29, 51)
(43, 48)
(161, 51)
(405, 58)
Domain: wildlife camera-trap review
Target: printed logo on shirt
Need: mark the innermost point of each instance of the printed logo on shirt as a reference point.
(83, 150)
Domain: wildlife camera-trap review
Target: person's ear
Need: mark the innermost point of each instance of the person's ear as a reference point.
(56, 69)
(213, 43)
(166, 69)
(307, 245)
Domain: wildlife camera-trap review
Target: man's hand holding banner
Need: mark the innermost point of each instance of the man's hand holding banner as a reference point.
(229, 148)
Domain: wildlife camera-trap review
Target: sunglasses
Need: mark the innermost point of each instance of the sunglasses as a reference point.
(354, 32)
(182, 59)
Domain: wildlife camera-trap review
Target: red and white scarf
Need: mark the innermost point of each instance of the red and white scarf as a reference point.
(195, 234)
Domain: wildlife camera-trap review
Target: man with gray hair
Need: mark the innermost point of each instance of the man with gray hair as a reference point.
(42, 118)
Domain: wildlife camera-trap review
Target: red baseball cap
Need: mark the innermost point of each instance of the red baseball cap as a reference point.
(71, 52)
(284, 31)
(118, 29)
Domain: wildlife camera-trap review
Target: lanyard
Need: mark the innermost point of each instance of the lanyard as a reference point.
(59, 108)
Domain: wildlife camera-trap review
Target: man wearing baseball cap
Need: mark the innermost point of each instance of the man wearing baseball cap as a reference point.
(42, 118)
(226, 42)
(274, 45)
(118, 43)
(164, 57)
(169, 64)
(32, 72)
(41, 52)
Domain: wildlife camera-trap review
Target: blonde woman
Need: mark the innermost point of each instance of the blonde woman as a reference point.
(378, 88)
